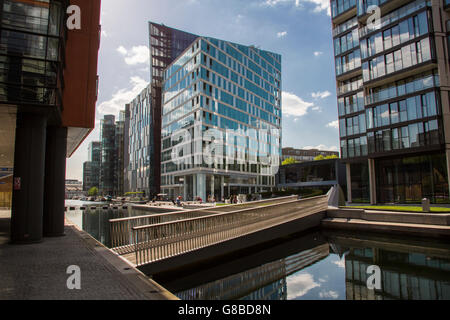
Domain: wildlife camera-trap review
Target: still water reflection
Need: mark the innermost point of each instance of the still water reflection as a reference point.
(326, 266)
(315, 266)
(96, 221)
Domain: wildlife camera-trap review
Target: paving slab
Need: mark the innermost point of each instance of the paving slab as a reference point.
(39, 271)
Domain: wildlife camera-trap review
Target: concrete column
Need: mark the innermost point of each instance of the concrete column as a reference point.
(29, 172)
(349, 183)
(201, 186)
(55, 177)
(213, 187)
(447, 154)
(222, 187)
(185, 188)
(194, 186)
(372, 182)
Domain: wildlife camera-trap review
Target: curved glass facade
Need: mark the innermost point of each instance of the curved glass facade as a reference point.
(233, 94)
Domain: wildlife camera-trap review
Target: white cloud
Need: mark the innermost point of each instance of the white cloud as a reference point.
(300, 285)
(294, 105)
(122, 97)
(135, 55)
(329, 294)
(321, 95)
(273, 3)
(334, 124)
(319, 5)
(318, 53)
(282, 34)
(340, 263)
(322, 147)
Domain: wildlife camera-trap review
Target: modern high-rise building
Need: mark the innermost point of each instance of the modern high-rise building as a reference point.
(48, 91)
(228, 93)
(108, 166)
(393, 97)
(105, 168)
(91, 168)
(166, 44)
(138, 124)
(119, 155)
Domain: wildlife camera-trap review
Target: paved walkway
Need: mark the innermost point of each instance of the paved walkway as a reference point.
(38, 271)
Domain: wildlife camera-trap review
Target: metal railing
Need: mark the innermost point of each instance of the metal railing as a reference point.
(121, 229)
(161, 241)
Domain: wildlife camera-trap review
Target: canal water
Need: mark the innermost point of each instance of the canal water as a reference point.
(318, 265)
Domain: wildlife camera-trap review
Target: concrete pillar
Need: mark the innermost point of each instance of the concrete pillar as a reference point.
(349, 183)
(194, 186)
(213, 187)
(372, 182)
(55, 177)
(222, 187)
(185, 188)
(29, 171)
(201, 186)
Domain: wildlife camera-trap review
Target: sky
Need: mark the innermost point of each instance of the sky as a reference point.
(299, 30)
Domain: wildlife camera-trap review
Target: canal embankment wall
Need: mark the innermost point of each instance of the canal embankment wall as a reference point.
(415, 224)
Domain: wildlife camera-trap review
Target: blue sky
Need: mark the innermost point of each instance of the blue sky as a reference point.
(299, 30)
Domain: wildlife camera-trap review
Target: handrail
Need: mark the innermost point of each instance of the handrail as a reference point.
(160, 241)
(121, 229)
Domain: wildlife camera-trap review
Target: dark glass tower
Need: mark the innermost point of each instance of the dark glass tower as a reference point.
(393, 97)
(108, 135)
(166, 44)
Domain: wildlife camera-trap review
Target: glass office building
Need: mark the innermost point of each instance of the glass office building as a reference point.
(166, 44)
(91, 168)
(138, 125)
(393, 99)
(229, 94)
(108, 141)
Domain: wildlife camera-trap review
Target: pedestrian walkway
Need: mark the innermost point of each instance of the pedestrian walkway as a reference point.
(38, 271)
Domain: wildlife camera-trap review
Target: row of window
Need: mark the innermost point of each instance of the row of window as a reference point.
(353, 84)
(352, 126)
(396, 15)
(413, 136)
(340, 6)
(406, 30)
(403, 87)
(347, 25)
(351, 104)
(405, 110)
(33, 16)
(29, 45)
(348, 62)
(364, 5)
(346, 42)
(249, 59)
(403, 58)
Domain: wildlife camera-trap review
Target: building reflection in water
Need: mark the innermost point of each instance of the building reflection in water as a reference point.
(413, 270)
(266, 282)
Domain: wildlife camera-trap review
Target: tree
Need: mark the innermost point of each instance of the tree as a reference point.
(289, 161)
(319, 158)
(93, 192)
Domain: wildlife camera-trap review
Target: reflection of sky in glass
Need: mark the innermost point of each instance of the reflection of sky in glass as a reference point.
(324, 280)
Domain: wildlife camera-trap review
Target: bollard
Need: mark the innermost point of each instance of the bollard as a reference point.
(426, 205)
